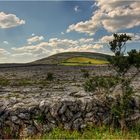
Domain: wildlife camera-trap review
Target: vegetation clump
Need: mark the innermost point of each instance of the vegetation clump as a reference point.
(100, 84)
(85, 73)
(4, 82)
(50, 76)
(102, 132)
(122, 107)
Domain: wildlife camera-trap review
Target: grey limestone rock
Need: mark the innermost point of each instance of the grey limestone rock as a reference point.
(24, 116)
(29, 131)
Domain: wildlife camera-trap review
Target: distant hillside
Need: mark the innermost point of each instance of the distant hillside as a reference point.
(63, 57)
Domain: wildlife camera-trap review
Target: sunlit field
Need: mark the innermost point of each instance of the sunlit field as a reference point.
(84, 61)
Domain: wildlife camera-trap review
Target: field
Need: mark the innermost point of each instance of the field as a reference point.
(84, 61)
(42, 95)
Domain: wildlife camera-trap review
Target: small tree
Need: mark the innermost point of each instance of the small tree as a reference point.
(122, 63)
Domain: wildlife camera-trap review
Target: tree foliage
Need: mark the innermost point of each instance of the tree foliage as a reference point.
(121, 109)
(121, 62)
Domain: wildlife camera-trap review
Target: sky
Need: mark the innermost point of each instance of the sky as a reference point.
(31, 30)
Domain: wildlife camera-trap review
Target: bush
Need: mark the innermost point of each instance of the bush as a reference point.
(50, 76)
(89, 85)
(85, 73)
(121, 107)
(100, 84)
(89, 62)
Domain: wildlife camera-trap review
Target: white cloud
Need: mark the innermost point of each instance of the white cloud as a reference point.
(3, 52)
(9, 20)
(4, 55)
(86, 40)
(94, 5)
(35, 39)
(62, 33)
(33, 34)
(107, 38)
(97, 46)
(33, 52)
(55, 45)
(113, 16)
(85, 48)
(6, 42)
(77, 8)
(89, 27)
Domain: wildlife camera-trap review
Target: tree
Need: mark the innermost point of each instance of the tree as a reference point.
(122, 63)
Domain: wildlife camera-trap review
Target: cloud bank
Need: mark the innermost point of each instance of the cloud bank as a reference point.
(42, 49)
(113, 16)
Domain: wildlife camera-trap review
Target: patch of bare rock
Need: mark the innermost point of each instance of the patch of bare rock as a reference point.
(31, 109)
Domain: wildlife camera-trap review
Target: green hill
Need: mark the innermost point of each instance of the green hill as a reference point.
(74, 58)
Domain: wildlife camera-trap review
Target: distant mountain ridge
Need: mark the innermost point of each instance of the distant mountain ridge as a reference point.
(60, 57)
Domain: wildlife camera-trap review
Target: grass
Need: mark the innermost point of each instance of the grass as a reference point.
(84, 61)
(24, 82)
(90, 133)
(4, 82)
(16, 95)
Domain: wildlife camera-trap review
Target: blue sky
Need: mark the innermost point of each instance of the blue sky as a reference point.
(31, 30)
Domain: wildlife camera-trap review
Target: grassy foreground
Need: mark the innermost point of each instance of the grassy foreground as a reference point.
(84, 61)
(91, 133)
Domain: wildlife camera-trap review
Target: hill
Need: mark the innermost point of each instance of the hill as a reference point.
(69, 57)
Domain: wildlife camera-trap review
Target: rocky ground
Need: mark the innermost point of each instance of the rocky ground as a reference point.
(25, 93)
(30, 83)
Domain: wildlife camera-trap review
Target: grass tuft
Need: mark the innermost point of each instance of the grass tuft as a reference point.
(103, 132)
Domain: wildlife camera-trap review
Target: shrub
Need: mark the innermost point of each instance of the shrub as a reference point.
(89, 85)
(85, 73)
(41, 118)
(4, 82)
(50, 76)
(89, 62)
(100, 84)
(121, 107)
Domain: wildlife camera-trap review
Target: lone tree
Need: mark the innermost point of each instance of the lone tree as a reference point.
(122, 107)
(122, 64)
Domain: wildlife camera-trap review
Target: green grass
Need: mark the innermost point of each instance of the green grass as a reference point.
(84, 61)
(24, 82)
(4, 82)
(90, 133)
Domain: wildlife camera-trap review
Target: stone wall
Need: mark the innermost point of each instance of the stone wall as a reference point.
(38, 117)
(21, 120)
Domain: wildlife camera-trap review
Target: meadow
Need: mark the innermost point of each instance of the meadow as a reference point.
(84, 61)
